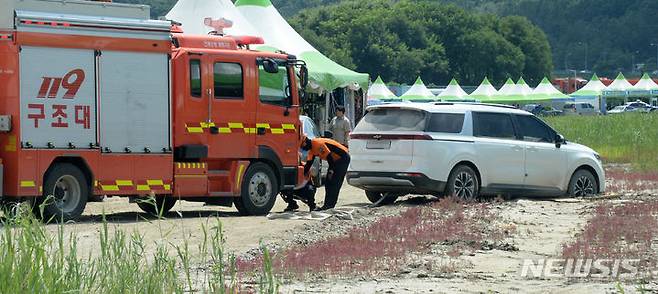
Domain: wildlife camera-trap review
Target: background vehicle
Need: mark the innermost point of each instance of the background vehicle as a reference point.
(466, 149)
(579, 108)
(623, 108)
(101, 100)
(641, 106)
(538, 109)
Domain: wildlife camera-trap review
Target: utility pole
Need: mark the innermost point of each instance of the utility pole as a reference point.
(586, 53)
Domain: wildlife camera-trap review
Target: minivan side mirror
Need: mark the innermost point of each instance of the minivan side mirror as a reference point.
(559, 141)
(328, 135)
(270, 66)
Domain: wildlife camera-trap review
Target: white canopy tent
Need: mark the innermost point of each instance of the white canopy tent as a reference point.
(591, 92)
(380, 93)
(454, 92)
(325, 75)
(192, 13)
(508, 89)
(645, 87)
(484, 92)
(545, 91)
(418, 93)
(619, 88)
(522, 88)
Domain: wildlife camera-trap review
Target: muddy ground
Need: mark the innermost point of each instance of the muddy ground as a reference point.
(542, 225)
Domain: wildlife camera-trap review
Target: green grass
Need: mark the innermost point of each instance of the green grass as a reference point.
(622, 138)
(33, 260)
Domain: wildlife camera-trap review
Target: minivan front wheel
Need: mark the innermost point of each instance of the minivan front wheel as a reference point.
(582, 184)
(463, 183)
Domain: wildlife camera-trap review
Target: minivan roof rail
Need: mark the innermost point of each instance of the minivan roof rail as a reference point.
(476, 103)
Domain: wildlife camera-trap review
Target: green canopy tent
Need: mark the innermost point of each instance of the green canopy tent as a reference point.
(484, 92)
(325, 75)
(619, 88)
(545, 91)
(645, 87)
(454, 92)
(591, 92)
(380, 93)
(418, 93)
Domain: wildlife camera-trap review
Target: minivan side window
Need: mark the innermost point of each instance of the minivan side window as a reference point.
(532, 129)
(446, 123)
(493, 125)
(195, 78)
(228, 80)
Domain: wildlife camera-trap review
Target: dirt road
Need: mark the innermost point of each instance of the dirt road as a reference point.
(542, 225)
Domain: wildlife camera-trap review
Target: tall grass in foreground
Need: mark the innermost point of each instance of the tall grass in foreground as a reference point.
(32, 260)
(620, 138)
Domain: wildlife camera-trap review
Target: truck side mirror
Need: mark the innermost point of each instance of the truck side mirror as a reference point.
(303, 77)
(270, 66)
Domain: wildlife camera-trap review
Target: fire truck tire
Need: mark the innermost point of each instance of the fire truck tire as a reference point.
(65, 193)
(161, 205)
(260, 188)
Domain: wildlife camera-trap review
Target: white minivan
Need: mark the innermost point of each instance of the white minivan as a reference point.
(466, 149)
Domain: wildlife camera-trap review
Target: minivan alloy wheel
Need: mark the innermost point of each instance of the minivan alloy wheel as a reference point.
(464, 186)
(583, 186)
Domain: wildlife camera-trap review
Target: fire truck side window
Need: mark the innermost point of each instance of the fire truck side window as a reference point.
(228, 81)
(274, 88)
(195, 78)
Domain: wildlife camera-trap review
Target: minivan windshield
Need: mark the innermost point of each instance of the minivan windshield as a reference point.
(392, 119)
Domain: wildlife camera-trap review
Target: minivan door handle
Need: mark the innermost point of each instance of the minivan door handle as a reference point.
(260, 131)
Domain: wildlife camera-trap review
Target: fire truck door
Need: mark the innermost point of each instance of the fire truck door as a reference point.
(277, 117)
(232, 109)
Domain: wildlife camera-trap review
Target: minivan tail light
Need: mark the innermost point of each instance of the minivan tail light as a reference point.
(417, 137)
(410, 175)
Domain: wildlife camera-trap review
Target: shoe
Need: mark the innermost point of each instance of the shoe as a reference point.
(291, 207)
(313, 208)
(325, 208)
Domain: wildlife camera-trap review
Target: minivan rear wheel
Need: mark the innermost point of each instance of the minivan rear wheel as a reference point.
(376, 197)
(463, 183)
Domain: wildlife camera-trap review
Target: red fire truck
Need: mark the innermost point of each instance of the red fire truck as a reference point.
(97, 99)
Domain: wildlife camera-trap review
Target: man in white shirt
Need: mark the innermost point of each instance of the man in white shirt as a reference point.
(340, 126)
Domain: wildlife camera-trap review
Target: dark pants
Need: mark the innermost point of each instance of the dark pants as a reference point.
(306, 195)
(335, 182)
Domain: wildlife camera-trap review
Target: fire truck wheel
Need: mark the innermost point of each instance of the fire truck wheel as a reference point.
(65, 193)
(259, 190)
(157, 206)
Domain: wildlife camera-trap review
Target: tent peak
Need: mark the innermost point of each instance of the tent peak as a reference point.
(263, 3)
(521, 81)
(594, 77)
(620, 76)
(379, 80)
(419, 81)
(453, 82)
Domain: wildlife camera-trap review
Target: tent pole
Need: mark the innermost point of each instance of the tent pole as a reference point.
(327, 103)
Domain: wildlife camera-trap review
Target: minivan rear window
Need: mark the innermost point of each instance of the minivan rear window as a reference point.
(446, 123)
(392, 119)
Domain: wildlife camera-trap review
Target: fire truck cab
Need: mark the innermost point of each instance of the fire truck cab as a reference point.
(97, 99)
